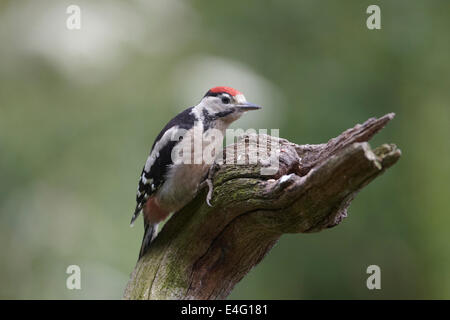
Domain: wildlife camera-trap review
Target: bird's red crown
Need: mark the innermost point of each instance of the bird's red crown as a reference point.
(230, 91)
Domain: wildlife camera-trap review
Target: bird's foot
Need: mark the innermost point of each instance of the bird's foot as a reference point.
(208, 182)
(210, 191)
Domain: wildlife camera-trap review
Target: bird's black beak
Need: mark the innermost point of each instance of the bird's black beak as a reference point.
(247, 107)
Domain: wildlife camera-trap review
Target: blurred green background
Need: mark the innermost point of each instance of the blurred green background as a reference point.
(79, 111)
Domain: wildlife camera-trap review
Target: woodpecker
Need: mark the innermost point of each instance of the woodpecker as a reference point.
(165, 185)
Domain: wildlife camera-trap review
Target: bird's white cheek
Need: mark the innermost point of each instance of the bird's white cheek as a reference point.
(232, 117)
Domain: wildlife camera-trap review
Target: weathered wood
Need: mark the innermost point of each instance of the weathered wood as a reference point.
(202, 251)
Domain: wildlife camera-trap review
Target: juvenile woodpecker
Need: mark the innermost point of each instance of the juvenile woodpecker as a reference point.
(165, 185)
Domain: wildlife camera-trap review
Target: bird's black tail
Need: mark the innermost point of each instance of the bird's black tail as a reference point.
(149, 234)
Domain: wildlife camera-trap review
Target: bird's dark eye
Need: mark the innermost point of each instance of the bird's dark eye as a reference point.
(225, 100)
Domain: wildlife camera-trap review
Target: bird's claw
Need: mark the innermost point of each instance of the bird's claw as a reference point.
(208, 182)
(210, 192)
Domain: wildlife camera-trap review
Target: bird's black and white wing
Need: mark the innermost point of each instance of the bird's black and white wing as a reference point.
(158, 162)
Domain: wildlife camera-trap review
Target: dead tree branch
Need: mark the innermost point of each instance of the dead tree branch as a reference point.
(202, 251)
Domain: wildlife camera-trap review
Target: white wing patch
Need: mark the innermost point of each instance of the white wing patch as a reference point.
(165, 139)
